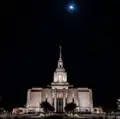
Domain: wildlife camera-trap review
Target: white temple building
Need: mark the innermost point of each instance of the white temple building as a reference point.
(60, 93)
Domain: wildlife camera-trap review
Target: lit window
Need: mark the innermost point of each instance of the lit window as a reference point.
(60, 78)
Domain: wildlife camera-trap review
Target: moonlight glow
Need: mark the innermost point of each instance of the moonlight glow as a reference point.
(72, 7)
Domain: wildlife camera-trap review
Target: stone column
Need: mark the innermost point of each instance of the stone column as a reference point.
(55, 96)
(28, 95)
(91, 100)
(64, 104)
(28, 100)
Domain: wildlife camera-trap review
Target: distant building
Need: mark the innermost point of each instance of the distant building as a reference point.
(60, 93)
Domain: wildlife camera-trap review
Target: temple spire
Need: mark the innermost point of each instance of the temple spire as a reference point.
(60, 62)
(60, 51)
(60, 76)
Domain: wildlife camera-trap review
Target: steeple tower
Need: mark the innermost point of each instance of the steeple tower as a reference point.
(60, 62)
(60, 76)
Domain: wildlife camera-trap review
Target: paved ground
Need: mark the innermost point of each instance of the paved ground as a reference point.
(83, 116)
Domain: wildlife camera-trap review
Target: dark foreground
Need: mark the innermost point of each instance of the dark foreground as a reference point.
(63, 116)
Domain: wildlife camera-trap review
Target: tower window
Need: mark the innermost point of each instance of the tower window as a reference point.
(60, 64)
(60, 78)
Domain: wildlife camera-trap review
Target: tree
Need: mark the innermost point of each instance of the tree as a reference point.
(70, 107)
(47, 107)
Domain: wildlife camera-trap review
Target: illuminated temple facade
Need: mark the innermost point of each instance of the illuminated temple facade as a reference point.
(59, 93)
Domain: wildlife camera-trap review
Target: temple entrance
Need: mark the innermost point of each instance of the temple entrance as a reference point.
(59, 105)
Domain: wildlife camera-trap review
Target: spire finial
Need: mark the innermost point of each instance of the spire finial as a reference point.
(60, 51)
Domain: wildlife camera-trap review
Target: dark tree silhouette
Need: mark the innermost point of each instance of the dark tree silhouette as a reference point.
(70, 107)
(47, 107)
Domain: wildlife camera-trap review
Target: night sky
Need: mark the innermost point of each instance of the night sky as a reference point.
(31, 32)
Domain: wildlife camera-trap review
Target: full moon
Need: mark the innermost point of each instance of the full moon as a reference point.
(72, 7)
